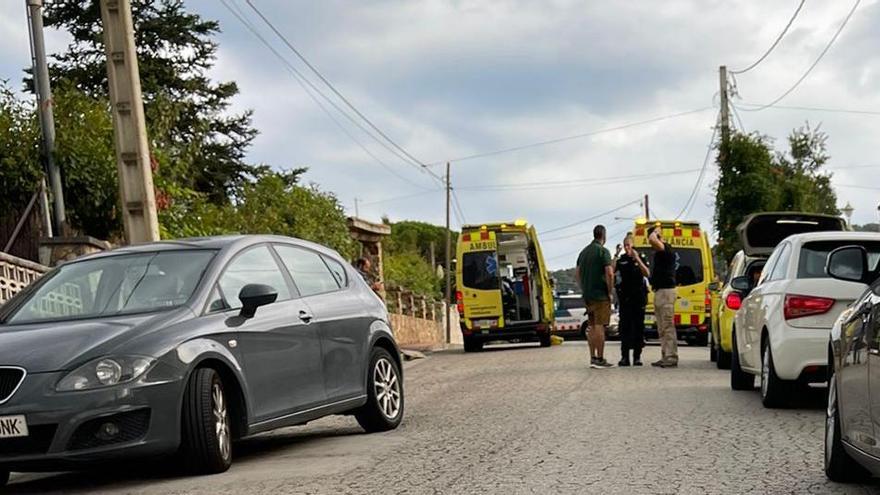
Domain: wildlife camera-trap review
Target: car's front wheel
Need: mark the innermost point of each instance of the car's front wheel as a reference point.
(723, 362)
(384, 408)
(839, 465)
(713, 350)
(545, 339)
(472, 345)
(775, 392)
(739, 379)
(206, 441)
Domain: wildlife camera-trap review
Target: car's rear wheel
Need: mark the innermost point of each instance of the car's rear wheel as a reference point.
(775, 392)
(472, 345)
(384, 408)
(839, 465)
(4, 478)
(739, 379)
(206, 438)
(723, 362)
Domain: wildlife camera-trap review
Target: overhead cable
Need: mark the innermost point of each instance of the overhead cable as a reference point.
(778, 39)
(579, 222)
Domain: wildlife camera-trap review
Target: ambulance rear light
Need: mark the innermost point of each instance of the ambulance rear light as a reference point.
(484, 235)
(708, 301)
(703, 328)
(459, 302)
(695, 233)
(676, 232)
(466, 237)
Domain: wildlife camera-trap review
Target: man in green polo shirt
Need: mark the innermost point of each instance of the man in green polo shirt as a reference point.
(596, 278)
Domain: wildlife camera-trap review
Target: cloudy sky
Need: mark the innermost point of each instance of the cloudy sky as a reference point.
(451, 79)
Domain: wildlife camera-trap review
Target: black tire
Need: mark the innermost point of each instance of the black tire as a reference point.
(204, 404)
(739, 379)
(701, 340)
(713, 350)
(723, 362)
(472, 345)
(775, 392)
(839, 465)
(544, 339)
(384, 408)
(585, 330)
(4, 478)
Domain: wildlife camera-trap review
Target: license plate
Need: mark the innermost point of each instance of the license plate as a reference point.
(485, 323)
(13, 426)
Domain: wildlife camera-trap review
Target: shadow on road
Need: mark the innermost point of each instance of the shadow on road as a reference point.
(137, 473)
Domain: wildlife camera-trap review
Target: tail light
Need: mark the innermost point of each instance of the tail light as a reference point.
(734, 301)
(799, 306)
(708, 302)
(459, 302)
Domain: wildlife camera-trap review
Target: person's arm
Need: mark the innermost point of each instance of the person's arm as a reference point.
(642, 266)
(656, 243)
(609, 279)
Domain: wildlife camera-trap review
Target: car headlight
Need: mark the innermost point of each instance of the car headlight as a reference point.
(105, 372)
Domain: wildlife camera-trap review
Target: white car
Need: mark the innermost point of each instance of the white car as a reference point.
(571, 318)
(781, 332)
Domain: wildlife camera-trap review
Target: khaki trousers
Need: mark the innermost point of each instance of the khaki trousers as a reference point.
(664, 310)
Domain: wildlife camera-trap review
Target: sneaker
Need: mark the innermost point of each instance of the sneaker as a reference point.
(669, 364)
(637, 362)
(623, 362)
(602, 364)
(658, 363)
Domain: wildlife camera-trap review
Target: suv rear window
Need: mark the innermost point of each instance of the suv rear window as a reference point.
(688, 264)
(479, 270)
(814, 255)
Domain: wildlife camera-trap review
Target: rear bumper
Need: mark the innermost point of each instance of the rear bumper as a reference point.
(800, 353)
(684, 332)
(529, 332)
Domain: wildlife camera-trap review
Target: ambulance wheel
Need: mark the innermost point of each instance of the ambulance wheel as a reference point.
(544, 339)
(472, 345)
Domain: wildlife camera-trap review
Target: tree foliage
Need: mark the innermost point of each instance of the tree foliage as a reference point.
(408, 255)
(754, 179)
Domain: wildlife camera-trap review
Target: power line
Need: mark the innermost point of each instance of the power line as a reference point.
(609, 236)
(336, 92)
(810, 109)
(457, 207)
(572, 137)
(778, 39)
(398, 198)
(584, 232)
(574, 182)
(810, 69)
(592, 217)
(686, 209)
(305, 83)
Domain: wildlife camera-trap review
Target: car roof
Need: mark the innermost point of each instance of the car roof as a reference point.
(833, 236)
(221, 242)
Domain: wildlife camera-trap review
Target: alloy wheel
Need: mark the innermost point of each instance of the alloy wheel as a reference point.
(765, 371)
(387, 388)
(830, 420)
(221, 420)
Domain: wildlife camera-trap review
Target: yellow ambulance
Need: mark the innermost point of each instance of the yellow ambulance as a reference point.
(503, 288)
(694, 274)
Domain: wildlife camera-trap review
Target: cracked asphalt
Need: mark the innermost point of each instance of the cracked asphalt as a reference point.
(522, 419)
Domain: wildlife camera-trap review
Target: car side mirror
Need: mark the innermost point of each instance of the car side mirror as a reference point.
(848, 263)
(252, 296)
(741, 284)
(714, 286)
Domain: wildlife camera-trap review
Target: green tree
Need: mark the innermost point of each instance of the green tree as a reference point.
(20, 170)
(205, 144)
(410, 271)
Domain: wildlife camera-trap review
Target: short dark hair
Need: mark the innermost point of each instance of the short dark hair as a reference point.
(361, 263)
(599, 232)
(652, 229)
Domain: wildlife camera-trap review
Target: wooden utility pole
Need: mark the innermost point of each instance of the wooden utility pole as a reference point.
(448, 259)
(136, 194)
(47, 121)
(725, 109)
(647, 209)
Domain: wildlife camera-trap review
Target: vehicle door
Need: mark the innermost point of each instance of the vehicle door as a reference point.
(860, 346)
(479, 280)
(546, 294)
(341, 316)
(749, 334)
(281, 350)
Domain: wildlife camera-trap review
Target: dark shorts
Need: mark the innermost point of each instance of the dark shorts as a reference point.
(599, 312)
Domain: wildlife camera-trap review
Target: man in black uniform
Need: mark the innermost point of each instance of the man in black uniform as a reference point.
(632, 295)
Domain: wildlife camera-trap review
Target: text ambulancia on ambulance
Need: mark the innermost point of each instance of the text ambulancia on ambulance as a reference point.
(694, 275)
(503, 286)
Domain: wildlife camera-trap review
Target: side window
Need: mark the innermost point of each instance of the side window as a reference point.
(733, 269)
(254, 266)
(768, 267)
(337, 270)
(309, 272)
(781, 266)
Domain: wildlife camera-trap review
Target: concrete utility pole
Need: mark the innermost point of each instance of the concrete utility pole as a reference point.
(725, 109)
(47, 118)
(448, 259)
(647, 209)
(132, 149)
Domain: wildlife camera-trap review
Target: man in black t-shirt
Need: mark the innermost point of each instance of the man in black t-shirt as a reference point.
(663, 284)
(632, 295)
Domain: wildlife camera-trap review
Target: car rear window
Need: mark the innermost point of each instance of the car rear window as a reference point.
(479, 270)
(570, 303)
(814, 255)
(688, 264)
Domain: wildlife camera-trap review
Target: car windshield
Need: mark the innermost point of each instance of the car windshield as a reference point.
(815, 254)
(128, 283)
(688, 264)
(569, 303)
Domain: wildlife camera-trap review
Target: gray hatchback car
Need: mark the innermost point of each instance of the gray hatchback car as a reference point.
(184, 346)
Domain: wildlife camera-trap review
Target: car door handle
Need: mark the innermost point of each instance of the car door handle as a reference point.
(306, 317)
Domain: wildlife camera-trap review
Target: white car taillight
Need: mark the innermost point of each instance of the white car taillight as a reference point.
(798, 306)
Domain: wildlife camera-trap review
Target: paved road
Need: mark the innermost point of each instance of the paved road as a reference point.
(526, 420)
